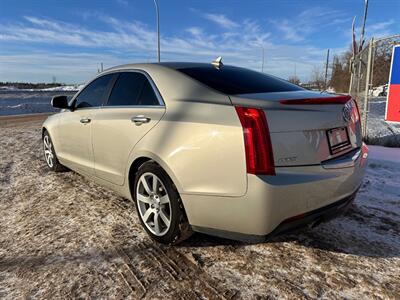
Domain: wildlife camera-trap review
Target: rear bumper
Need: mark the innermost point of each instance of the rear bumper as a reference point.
(314, 217)
(270, 201)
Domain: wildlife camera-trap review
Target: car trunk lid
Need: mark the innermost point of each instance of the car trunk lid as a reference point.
(306, 127)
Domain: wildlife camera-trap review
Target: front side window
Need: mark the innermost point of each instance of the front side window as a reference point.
(132, 88)
(94, 94)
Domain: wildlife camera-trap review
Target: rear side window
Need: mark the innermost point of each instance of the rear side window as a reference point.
(148, 96)
(94, 94)
(132, 88)
(234, 80)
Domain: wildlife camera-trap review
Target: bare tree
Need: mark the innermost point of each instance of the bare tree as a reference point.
(340, 78)
(294, 79)
(317, 77)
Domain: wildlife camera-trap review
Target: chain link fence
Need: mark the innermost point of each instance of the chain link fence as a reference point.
(369, 84)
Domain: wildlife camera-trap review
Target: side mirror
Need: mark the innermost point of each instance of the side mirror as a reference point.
(60, 102)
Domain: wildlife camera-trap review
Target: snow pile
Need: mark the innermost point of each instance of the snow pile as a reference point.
(379, 91)
(8, 88)
(61, 88)
(380, 132)
(64, 88)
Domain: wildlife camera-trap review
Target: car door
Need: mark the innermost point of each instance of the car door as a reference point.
(133, 108)
(74, 129)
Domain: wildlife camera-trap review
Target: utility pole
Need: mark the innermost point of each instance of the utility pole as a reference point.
(367, 87)
(326, 69)
(101, 67)
(352, 60)
(363, 27)
(158, 30)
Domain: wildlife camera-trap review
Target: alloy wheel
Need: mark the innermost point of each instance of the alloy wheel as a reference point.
(48, 151)
(153, 204)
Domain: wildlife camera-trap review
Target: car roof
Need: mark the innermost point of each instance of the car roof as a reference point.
(181, 65)
(170, 65)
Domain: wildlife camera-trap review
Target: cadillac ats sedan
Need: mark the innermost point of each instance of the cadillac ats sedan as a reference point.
(211, 148)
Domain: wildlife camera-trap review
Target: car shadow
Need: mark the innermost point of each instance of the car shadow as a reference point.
(330, 236)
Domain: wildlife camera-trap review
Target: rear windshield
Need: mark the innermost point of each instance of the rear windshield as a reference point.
(234, 80)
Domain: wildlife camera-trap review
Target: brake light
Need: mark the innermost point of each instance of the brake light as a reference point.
(355, 111)
(257, 141)
(323, 100)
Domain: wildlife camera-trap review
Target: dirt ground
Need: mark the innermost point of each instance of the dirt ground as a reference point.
(62, 236)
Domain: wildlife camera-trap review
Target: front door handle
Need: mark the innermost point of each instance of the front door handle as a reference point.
(85, 120)
(139, 120)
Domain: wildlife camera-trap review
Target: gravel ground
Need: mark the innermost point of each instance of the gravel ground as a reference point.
(63, 236)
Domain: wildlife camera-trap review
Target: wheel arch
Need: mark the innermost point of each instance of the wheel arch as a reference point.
(143, 158)
(134, 167)
(44, 129)
(50, 133)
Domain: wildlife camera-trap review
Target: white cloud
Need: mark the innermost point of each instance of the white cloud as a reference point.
(195, 31)
(221, 20)
(380, 29)
(126, 42)
(308, 22)
(290, 32)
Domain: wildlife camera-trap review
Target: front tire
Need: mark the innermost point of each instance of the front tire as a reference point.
(159, 206)
(50, 155)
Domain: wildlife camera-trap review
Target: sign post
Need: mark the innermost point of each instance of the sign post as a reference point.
(393, 99)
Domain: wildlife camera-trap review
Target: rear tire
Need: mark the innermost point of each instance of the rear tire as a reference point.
(50, 155)
(159, 206)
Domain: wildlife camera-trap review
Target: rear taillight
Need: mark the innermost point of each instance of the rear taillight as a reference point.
(257, 141)
(355, 111)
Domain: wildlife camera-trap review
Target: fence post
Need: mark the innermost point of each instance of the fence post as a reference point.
(367, 85)
(351, 75)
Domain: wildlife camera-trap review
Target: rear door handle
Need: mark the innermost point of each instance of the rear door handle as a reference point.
(85, 120)
(139, 120)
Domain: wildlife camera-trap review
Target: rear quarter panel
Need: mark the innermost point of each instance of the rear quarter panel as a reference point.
(203, 151)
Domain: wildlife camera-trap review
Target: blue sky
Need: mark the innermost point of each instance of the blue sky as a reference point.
(68, 39)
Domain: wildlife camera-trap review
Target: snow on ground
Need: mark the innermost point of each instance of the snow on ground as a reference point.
(380, 132)
(62, 236)
(379, 90)
(61, 88)
(64, 88)
(379, 153)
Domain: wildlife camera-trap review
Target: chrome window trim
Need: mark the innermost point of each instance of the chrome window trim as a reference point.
(131, 106)
(153, 85)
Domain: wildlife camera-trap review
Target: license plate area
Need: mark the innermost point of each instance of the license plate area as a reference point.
(338, 140)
